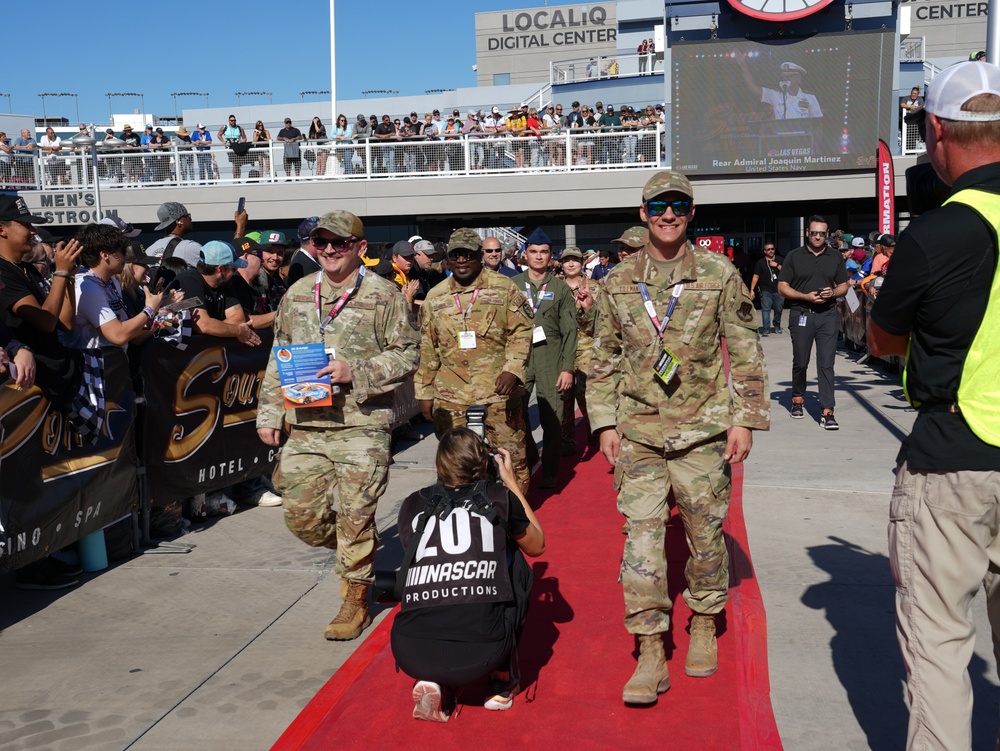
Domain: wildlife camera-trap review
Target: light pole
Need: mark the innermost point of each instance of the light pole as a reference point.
(9, 110)
(142, 101)
(86, 141)
(302, 94)
(240, 94)
(63, 93)
(176, 94)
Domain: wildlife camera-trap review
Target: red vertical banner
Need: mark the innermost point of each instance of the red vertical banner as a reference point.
(885, 189)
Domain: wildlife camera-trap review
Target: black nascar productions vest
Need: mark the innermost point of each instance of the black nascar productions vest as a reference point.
(462, 555)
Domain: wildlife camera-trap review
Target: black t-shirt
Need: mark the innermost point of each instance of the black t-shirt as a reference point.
(289, 133)
(767, 276)
(215, 301)
(385, 129)
(243, 292)
(936, 290)
(23, 280)
(474, 622)
(804, 271)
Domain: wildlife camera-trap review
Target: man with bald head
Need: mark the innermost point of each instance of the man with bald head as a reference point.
(493, 258)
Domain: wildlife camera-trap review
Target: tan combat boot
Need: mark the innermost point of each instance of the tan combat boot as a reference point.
(651, 676)
(703, 652)
(353, 617)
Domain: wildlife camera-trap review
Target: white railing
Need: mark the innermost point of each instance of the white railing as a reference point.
(911, 142)
(911, 50)
(566, 150)
(508, 238)
(603, 67)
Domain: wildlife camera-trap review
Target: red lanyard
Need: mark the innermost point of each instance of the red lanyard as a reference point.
(458, 304)
(337, 306)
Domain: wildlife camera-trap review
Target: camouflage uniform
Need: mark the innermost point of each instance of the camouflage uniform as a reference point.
(345, 445)
(584, 344)
(557, 316)
(458, 378)
(675, 436)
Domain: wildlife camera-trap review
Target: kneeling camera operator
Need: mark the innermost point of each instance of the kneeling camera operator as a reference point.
(464, 583)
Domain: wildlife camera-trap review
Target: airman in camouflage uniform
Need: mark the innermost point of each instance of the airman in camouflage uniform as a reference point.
(485, 367)
(585, 294)
(631, 242)
(661, 436)
(374, 347)
(553, 350)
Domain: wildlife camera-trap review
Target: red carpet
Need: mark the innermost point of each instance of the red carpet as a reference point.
(575, 655)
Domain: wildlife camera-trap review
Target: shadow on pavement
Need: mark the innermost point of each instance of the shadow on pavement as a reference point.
(859, 602)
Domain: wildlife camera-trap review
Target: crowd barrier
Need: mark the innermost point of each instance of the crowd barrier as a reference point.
(198, 436)
(267, 162)
(854, 327)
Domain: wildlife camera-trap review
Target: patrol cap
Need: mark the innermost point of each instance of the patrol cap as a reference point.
(634, 237)
(403, 248)
(340, 223)
(273, 237)
(953, 87)
(465, 239)
(571, 252)
(666, 182)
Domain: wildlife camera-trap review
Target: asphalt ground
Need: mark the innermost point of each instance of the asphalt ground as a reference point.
(220, 648)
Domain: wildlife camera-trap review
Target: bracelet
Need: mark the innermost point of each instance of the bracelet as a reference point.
(63, 274)
(149, 313)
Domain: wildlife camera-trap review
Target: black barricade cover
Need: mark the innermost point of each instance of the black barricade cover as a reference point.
(200, 422)
(54, 489)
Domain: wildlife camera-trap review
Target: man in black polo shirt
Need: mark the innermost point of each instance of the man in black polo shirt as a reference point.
(811, 279)
(935, 307)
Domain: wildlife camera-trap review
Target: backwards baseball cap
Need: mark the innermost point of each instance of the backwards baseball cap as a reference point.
(273, 237)
(342, 224)
(120, 224)
(246, 245)
(14, 209)
(952, 88)
(571, 252)
(218, 253)
(634, 237)
(858, 242)
(667, 182)
(403, 248)
(168, 213)
(887, 240)
(306, 226)
(465, 239)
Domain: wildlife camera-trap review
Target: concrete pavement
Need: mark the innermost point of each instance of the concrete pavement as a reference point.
(220, 648)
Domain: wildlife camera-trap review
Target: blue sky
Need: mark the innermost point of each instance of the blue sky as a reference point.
(159, 48)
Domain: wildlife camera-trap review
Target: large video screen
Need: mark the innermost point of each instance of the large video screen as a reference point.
(743, 106)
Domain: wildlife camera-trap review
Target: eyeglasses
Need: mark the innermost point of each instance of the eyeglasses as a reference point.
(680, 207)
(491, 250)
(339, 244)
(464, 254)
(818, 234)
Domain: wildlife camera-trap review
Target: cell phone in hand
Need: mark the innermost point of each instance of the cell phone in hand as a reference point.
(241, 205)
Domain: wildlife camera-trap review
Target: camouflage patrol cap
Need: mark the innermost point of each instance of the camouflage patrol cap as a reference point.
(634, 237)
(342, 224)
(665, 182)
(571, 252)
(465, 239)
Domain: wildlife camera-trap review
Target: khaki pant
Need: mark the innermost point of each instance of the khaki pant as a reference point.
(355, 461)
(701, 483)
(944, 544)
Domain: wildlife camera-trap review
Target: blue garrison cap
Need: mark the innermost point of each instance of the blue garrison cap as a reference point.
(538, 237)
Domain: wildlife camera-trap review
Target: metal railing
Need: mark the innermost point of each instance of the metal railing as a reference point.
(910, 142)
(508, 238)
(269, 162)
(912, 50)
(604, 67)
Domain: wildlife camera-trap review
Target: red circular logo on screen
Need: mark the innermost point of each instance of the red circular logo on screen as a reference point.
(779, 10)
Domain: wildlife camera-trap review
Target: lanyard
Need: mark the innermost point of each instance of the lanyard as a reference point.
(527, 293)
(458, 304)
(651, 309)
(337, 306)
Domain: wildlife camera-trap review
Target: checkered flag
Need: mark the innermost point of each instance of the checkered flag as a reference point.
(86, 411)
(179, 334)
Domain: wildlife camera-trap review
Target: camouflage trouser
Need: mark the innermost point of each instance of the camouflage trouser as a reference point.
(572, 397)
(701, 483)
(313, 462)
(504, 428)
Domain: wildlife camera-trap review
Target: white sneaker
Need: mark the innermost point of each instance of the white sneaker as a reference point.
(267, 498)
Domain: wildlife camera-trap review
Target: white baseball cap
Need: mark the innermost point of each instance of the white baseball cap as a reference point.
(953, 87)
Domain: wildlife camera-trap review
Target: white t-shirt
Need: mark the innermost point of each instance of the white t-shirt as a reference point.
(97, 303)
(791, 107)
(187, 250)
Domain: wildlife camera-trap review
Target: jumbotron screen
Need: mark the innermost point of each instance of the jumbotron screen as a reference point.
(743, 106)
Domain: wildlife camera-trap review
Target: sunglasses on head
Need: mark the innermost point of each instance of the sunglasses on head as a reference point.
(681, 207)
(340, 243)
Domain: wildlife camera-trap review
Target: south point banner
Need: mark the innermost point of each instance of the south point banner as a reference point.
(54, 488)
(200, 432)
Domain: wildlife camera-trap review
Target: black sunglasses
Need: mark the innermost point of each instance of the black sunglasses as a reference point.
(680, 207)
(464, 254)
(341, 243)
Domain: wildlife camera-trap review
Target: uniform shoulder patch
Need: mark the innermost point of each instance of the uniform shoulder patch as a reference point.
(745, 313)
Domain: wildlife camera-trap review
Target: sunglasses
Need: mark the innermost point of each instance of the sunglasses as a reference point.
(818, 234)
(491, 250)
(464, 254)
(680, 207)
(340, 244)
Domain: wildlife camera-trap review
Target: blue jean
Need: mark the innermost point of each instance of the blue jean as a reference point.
(770, 301)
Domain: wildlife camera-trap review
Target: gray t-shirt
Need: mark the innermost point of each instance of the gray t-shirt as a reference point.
(187, 250)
